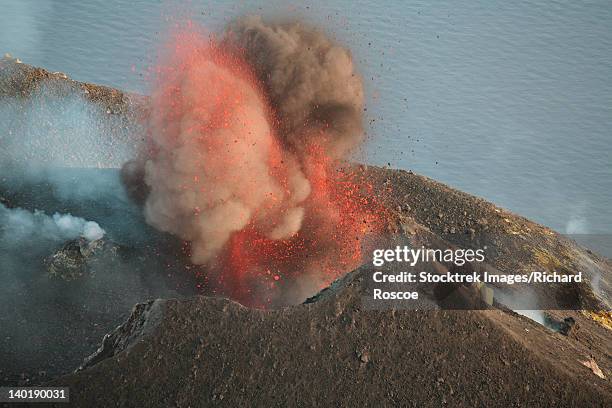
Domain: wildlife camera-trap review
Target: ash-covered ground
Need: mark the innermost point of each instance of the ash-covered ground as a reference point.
(64, 290)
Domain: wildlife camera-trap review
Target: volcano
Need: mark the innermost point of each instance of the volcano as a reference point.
(196, 350)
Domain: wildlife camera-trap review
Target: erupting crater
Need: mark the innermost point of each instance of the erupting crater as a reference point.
(248, 137)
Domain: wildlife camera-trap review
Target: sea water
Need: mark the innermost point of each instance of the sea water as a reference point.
(511, 101)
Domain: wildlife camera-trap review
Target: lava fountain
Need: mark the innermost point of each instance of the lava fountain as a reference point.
(247, 136)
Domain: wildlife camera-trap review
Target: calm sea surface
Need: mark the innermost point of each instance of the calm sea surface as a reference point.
(511, 101)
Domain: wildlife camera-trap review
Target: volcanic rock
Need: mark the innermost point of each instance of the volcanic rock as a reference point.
(70, 261)
(564, 326)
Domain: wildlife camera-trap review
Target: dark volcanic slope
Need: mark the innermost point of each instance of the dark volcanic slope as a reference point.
(214, 352)
(332, 352)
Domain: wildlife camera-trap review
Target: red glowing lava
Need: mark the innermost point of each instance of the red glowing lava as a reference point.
(270, 223)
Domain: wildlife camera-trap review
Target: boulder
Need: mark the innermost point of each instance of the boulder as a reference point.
(69, 263)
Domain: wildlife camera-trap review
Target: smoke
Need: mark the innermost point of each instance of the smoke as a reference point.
(524, 303)
(576, 225)
(56, 126)
(53, 138)
(49, 324)
(57, 153)
(19, 225)
(214, 170)
(310, 81)
(246, 134)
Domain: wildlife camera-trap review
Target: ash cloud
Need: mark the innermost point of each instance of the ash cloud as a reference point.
(215, 167)
(212, 174)
(310, 80)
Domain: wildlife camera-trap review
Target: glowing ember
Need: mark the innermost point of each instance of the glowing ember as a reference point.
(260, 198)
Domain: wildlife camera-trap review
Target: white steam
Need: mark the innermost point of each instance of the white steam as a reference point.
(17, 224)
(524, 303)
(576, 225)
